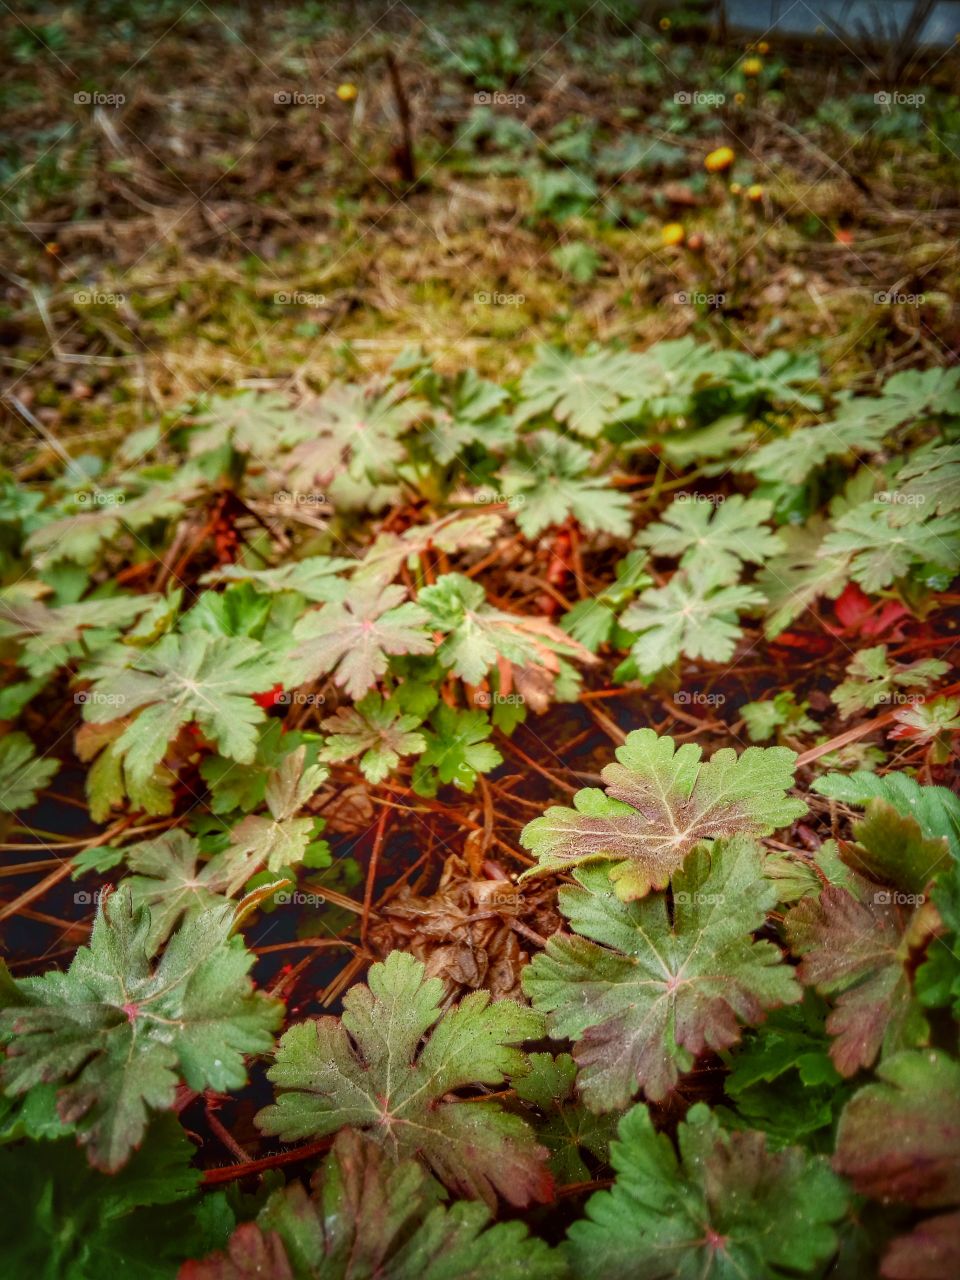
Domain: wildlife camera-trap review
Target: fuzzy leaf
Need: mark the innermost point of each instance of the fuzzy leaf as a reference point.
(659, 802)
(723, 1207)
(549, 481)
(315, 578)
(872, 679)
(354, 638)
(856, 941)
(794, 581)
(118, 1036)
(72, 1224)
(689, 616)
(881, 552)
(183, 678)
(480, 637)
(176, 885)
(365, 1070)
(899, 1137)
(936, 809)
(281, 839)
(568, 1127)
(457, 749)
(22, 772)
(714, 542)
(376, 731)
(656, 993)
(582, 391)
(48, 637)
(367, 1217)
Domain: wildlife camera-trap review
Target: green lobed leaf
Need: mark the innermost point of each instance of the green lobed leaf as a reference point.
(642, 991)
(659, 801)
(366, 1071)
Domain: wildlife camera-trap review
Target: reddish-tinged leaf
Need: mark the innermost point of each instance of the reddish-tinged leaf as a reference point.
(899, 1137)
(368, 1218)
(658, 991)
(930, 1252)
(660, 801)
(365, 1070)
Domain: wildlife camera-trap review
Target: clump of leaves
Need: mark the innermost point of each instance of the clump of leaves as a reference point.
(722, 1204)
(367, 1215)
(659, 801)
(643, 989)
(367, 1070)
(117, 1034)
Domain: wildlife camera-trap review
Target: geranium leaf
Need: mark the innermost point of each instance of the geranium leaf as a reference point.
(366, 1071)
(691, 616)
(365, 1217)
(172, 881)
(549, 480)
(377, 731)
(641, 994)
(281, 839)
(75, 1224)
(22, 772)
(856, 941)
(117, 1034)
(714, 541)
(354, 638)
(898, 1142)
(457, 750)
(722, 1206)
(183, 678)
(658, 803)
(480, 637)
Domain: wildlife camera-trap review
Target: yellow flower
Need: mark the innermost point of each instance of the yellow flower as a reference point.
(752, 66)
(665, 24)
(735, 188)
(673, 233)
(347, 92)
(763, 48)
(755, 192)
(739, 99)
(719, 160)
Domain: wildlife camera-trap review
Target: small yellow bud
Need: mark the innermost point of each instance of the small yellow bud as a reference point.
(719, 160)
(755, 192)
(752, 66)
(347, 92)
(673, 233)
(665, 24)
(735, 188)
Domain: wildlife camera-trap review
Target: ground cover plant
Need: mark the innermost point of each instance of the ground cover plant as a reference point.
(477, 649)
